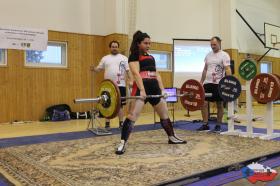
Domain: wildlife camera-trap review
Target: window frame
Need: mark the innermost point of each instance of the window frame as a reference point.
(5, 62)
(50, 65)
(170, 64)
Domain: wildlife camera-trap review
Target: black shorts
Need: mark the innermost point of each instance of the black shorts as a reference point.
(151, 87)
(212, 88)
(123, 94)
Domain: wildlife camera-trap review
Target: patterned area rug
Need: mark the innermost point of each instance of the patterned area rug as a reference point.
(148, 160)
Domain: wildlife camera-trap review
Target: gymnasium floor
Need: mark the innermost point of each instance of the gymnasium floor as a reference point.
(8, 130)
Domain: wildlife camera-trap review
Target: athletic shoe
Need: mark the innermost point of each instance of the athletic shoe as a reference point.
(204, 127)
(121, 147)
(175, 140)
(217, 129)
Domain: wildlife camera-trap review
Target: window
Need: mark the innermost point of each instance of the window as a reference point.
(3, 57)
(54, 56)
(265, 67)
(163, 60)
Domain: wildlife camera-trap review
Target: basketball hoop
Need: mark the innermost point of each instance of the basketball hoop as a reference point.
(272, 36)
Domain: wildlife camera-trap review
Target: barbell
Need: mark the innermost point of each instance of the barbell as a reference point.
(265, 88)
(191, 95)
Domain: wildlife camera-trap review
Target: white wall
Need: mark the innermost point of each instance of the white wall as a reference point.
(162, 19)
(122, 16)
(98, 17)
(227, 24)
(60, 15)
(165, 19)
(256, 12)
(103, 16)
(168, 19)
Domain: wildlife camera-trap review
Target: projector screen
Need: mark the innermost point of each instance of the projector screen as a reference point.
(188, 59)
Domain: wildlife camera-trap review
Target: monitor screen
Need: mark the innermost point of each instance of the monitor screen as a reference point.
(171, 91)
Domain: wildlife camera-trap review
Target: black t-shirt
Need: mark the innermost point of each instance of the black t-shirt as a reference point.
(146, 62)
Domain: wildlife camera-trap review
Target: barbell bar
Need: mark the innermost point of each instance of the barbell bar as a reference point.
(103, 98)
(192, 95)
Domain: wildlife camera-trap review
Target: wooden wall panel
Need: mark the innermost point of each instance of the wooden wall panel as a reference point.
(26, 91)
(121, 38)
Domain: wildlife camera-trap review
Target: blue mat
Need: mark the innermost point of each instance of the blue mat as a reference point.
(28, 140)
(184, 125)
(193, 126)
(4, 181)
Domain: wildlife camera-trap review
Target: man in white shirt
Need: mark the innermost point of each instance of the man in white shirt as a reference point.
(115, 66)
(217, 65)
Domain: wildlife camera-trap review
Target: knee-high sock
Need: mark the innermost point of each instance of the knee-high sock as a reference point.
(167, 126)
(126, 129)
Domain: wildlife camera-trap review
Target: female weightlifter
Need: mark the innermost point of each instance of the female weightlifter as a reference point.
(147, 82)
